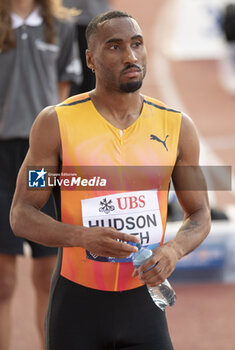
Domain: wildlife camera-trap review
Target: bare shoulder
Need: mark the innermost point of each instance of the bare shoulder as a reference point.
(45, 133)
(189, 147)
(47, 118)
(188, 128)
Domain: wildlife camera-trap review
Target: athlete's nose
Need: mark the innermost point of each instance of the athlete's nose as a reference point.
(129, 56)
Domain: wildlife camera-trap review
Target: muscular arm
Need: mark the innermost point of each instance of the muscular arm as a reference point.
(28, 221)
(191, 191)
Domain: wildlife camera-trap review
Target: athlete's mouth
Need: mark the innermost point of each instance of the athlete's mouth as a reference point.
(131, 70)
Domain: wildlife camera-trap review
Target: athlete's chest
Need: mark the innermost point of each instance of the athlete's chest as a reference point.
(146, 142)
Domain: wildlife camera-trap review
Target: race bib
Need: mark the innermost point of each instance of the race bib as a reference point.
(136, 213)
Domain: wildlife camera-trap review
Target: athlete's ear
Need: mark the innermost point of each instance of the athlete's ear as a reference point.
(89, 60)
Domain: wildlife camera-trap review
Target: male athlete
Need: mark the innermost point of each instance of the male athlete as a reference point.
(98, 301)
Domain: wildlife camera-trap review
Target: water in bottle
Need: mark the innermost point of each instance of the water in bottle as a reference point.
(163, 295)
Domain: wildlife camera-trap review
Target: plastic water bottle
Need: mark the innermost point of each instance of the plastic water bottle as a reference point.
(163, 295)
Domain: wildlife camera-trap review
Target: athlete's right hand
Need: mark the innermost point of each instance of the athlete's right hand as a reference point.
(108, 242)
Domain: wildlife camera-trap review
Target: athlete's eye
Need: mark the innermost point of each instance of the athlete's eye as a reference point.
(114, 47)
(137, 43)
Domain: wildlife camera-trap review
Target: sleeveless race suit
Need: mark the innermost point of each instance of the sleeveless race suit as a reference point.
(90, 140)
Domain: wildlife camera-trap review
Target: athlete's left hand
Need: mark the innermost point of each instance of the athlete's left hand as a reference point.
(164, 260)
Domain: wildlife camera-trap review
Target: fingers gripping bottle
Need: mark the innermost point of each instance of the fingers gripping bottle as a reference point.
(163, 295)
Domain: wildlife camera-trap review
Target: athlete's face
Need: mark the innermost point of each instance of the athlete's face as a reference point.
(118, 55)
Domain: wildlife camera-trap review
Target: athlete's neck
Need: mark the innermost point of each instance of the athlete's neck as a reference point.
(22, 8)
(120, 109)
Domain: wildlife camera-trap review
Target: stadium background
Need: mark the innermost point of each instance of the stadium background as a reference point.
(189, 68)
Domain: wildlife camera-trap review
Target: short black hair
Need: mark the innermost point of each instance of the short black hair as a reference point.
(106, 16)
